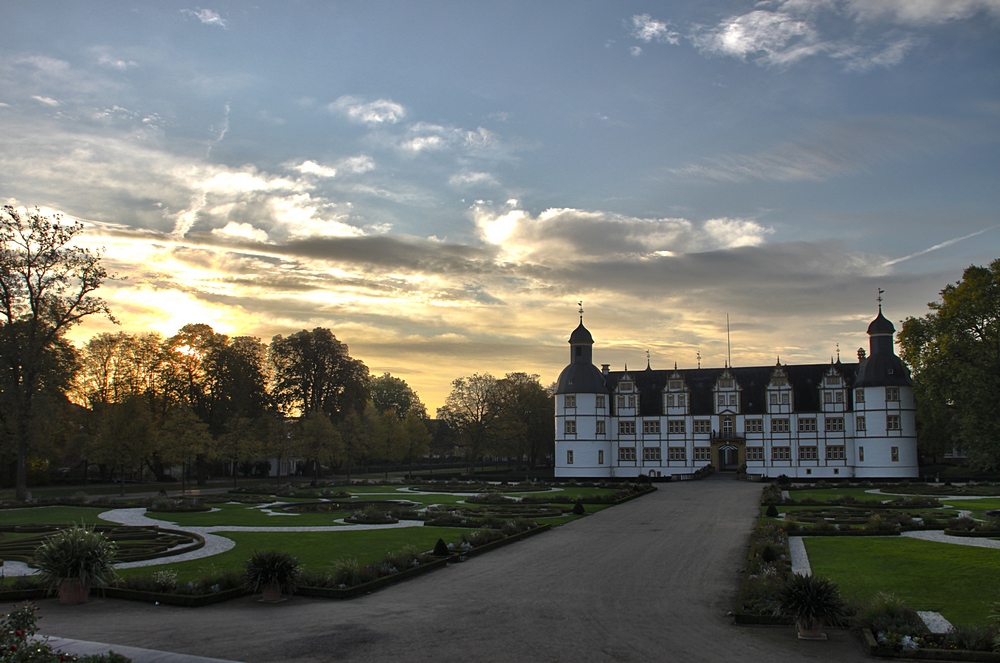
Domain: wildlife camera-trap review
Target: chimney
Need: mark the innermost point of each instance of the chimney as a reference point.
(605, 369)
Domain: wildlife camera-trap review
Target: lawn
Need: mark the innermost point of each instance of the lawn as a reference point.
(53, 515)
(245, 515)
(977, 507)
(825, 494)
(316, 551)
(960, 582)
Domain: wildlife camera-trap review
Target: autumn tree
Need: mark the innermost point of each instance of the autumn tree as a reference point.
(526, 415)
(47, 286)
(125, 435)
(186, 437)
(391, 393)
(471, 411)
(954, 353)
(317, 440)
(313, 372)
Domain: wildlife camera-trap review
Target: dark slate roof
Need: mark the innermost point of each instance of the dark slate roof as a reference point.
(581, 378)
(881, 325)
(804, 379)
(581, 335)
(883, 370)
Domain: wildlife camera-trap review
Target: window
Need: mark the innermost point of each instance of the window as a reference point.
(774, 399)
(570, 426)
(892, 422)
(859, 423)
(626, 428)
(808, 453)
(892, 393)
(781, 453)
(600, 456)
(680, 400)
(668, 400)
(631, 401)
(600, 428)
(676, 453)
(732, 399)
(779, 425)
(755, 425)
(676, 384)
(569, 457)
(702, 453)
(755, 453)
(626, 454)
(626, 386)
(702, 426)
(722, 399)
(835, 425)
(621, 401)
(859, 395)
(726, 384)
(569, 401)
(835, 453)
(651, 428)
(807, 425)
(840, 397)
(784, 399)
(827, 397)
(861, 454)
(651, 454)
(599, 401)
(675, 427)
(894, 451)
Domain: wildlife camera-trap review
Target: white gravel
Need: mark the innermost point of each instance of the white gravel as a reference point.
(935, 622)
(800, 559)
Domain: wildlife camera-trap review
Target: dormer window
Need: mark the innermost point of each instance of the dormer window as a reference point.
(626, 386)
(676, 385)
(725, 384)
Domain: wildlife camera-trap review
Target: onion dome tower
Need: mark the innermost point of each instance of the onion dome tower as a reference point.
(882, 368)
(581, 376)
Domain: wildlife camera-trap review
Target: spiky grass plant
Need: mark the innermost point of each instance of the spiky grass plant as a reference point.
(271, 568)
(76, 552)
(811, 599)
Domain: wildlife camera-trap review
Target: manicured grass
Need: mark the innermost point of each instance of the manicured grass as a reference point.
(316, 551)
(960, 582)
(825, 494)
(977, 507)
(245, 515)
(52, 515)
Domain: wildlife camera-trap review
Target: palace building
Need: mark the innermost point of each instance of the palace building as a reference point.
(836, 420)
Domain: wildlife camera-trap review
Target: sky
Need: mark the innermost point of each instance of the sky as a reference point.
(440, 183)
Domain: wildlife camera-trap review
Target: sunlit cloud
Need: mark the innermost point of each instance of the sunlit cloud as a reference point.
(48, 101)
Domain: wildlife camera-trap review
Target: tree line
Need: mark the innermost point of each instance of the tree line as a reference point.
(129, 403)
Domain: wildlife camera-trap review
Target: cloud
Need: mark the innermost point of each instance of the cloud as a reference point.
(645, 28)
(471, 179)
(313, 168)
(768, 37)
(564, 235)
(243, 231)
(372, 113)
(862, 34)
(206, 16)
(831, 150)
(106, 60)
(635, 51)
(48, 101)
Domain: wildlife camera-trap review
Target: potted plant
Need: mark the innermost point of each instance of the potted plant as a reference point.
(73, 560)
(812, 600)
(271, 572)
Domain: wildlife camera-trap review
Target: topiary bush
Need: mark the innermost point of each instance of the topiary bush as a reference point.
(578, 509)
(772, 511)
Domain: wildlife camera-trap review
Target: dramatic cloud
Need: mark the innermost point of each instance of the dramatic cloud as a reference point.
(372, 113)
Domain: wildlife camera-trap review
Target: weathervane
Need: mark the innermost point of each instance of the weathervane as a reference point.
(838, 353)
(647, 358)
(580, 304)
(698, 355)
(880, 291)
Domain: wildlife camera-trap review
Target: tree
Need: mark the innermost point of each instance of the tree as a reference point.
(392, 393)
(125, 435)
(416, 438)
(526, 415)
(471, 411)
(954, 353)
(313, 372)
(46, 287)
(186, 437)
(317, 439)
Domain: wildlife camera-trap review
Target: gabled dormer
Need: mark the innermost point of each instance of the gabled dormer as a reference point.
(626, 396)
(779, 391)
(833, 390)
(726, 394)
(676, 396)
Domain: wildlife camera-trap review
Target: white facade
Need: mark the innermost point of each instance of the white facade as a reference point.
(806, 421)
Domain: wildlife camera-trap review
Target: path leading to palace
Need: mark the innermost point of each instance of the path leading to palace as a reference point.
(649, 580)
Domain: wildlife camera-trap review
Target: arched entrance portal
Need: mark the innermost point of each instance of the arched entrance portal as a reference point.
(729, 458)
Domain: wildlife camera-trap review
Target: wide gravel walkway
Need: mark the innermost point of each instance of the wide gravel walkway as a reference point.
(650, 580)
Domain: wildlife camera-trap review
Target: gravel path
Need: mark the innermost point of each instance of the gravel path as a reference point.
(649, 580)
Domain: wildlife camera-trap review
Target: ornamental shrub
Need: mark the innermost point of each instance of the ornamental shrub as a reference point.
(76, 552)
(772, 511)
(810, 598)
(271, 568)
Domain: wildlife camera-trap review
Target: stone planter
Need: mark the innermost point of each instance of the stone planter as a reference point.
(271, 593)
(811, 631)
(73, 590)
